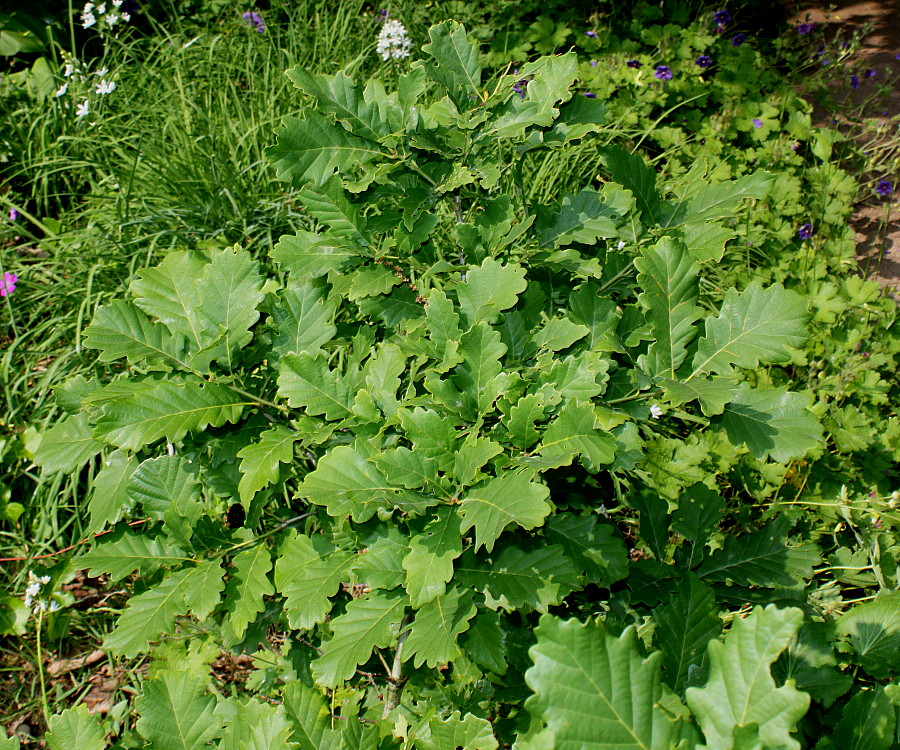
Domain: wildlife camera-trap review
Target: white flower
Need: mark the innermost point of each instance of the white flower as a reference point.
(102, 72)
(126, 17)
(69, 70)
(54, 606)
(88, 7)
(101, 9)
(83, 109)
(44, 580)
(393, 41)
(117, 3)
(88, 20)
(112, 19)
(655, 411)
(62, 90)
(106, 87)
(621, 245)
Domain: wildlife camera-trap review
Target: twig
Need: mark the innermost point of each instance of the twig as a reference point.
(396, 680)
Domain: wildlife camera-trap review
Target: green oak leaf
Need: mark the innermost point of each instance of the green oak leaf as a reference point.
(492, 505)
(261, 461)
(303, 318)
(593, 547)
(433, 635)
(489, 289)
(457, 733)
(756, 326)
(774, 423)
(309, 571)
(515, 577)
(67, 446)
(176, 712)
(668, 277)
(368, 623)
(595, 690)
(307, 382)
(248, 586)
(456, 65)
(75, 728)
(740, 699)
(684, 627)
(256, 726)
(429, 563)
(312, 149)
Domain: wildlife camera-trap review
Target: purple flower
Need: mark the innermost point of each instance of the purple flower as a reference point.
(870, 73)
(854, 82)
(738, 39)
(805, 28)
(590, 94)
(634, 63)
(757, 123)
(897, 56)
(844, 45)
(805, 232)
(884, 188)
(8, 285)
(825, 62)
(13, 214)
(591, 34)
(663, 73)
(721, 17)
(255, 20)
(593, 63)
(383, 14)
(704, 61)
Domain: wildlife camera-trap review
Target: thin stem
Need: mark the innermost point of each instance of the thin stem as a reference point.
(45, 706)
(615, 278)
(396, 680)
(258, 400)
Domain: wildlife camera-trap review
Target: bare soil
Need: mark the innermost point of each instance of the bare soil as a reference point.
(877, 230)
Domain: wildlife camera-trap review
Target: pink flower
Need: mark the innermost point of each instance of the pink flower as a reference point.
(8, 286)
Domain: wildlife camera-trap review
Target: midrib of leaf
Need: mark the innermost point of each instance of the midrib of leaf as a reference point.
(727, 348)
(576, 659)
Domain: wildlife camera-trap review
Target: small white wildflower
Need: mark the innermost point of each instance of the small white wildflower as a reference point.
(621, 245)
(83, 109)
(102, 72)
(88, 20)
(655, 411)
(54, 606)
(106, 87)
(112, 19)
(44, 580)
(88, 7)
(393, 41)
(69, 70)
(126, 17)
(117, 3)
(62, 90)
(170, 449)
(101, 9)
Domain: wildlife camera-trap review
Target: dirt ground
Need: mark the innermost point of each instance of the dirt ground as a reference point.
(880, 47)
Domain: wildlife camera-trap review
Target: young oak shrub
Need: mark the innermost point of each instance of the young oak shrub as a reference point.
(428, 426)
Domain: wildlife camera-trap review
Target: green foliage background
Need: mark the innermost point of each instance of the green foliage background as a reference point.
(428, 389)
